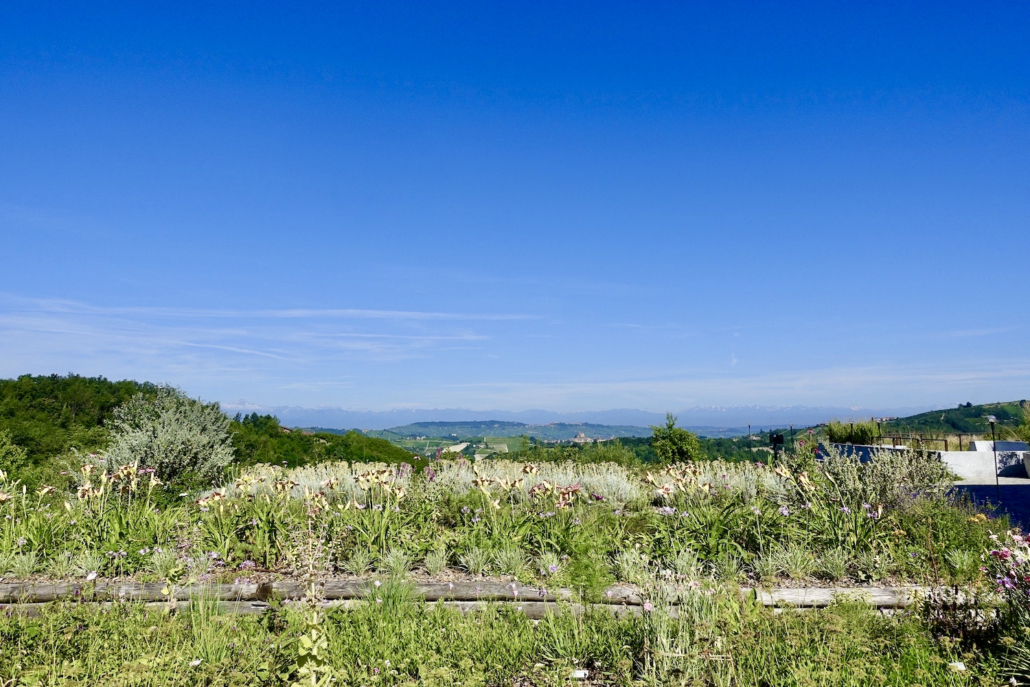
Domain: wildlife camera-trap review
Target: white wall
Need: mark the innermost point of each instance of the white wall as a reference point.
(978, 466)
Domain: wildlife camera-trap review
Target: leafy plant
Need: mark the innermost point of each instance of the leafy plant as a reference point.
(631, 566)
(674, 444)
(436, 560)
(24, 564)
(510, 561)
(359, 562)
(184, 440)
(475, 561)
(397, 562)
(862, 433)
(833, 564)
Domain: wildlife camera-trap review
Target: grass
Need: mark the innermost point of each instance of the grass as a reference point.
(717, 640)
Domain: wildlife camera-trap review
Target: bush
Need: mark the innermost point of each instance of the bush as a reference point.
(182, 439)
(891, 479)
(862, 433)
(674, 444)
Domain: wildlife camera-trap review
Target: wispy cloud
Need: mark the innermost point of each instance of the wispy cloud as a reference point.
(962, 333)
(38, 332)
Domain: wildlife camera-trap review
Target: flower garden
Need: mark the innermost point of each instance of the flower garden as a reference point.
(685, 538)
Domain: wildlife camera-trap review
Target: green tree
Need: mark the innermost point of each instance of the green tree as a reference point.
(674, 444)
(12, 456)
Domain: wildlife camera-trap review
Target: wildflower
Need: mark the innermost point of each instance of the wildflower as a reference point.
(378, 600)
(21, 541)
(552, 568)
(756, 510)
(144, 551)
(666, 510)
(195, 663)
(784, 511)
(476, 519)
(845, 510)
(387, 663)
(91, 576)
(575, 521)
(648, 607)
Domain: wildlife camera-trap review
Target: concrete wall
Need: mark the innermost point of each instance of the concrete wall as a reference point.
(978, 466)
(1002, 446)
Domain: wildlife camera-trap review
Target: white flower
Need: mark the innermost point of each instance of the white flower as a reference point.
(195, 663)
(92, 576)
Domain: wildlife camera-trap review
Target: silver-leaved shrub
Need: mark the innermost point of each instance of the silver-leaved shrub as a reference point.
(177, 436)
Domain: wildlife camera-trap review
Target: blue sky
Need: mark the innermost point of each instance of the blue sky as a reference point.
(571, 206)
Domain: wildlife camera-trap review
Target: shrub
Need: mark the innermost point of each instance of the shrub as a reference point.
(890, 479)
(674, 444)
(863, 433)
(182, 439)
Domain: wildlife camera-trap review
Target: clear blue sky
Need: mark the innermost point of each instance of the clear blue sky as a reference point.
(572, 206)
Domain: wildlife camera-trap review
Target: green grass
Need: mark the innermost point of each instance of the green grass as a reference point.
(393, 641)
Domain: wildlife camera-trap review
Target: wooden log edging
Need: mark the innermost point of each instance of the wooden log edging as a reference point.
(346, 590)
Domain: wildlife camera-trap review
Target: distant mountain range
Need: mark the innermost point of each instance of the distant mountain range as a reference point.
(708, 421)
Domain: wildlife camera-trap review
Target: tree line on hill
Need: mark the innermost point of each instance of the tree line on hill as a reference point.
(50, 424)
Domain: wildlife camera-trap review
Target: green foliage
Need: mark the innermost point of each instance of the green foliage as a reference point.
(48, 416)
(674, 444)
(715, 639)
(184, 440)
(12, 456)
(1022, 432)
(261, 439)
(966, 419)
(861, 433)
